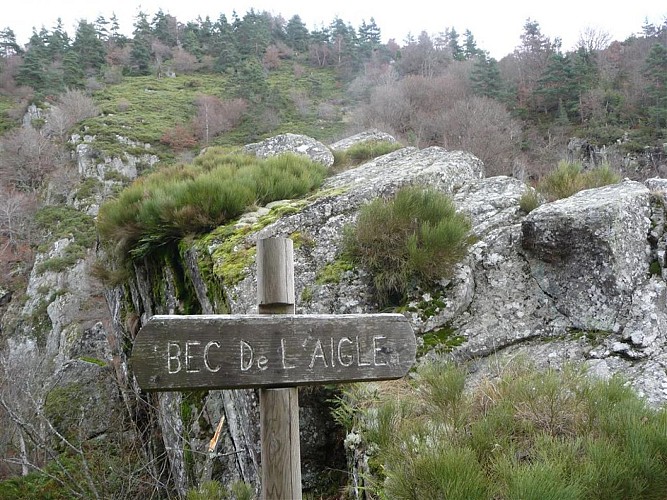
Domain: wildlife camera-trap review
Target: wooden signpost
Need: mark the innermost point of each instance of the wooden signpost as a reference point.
(232, 352)
(275, 351)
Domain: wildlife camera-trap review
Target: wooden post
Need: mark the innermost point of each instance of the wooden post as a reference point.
(279, 408)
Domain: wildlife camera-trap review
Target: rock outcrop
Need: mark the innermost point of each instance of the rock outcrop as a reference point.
(372, 135)
(580, 280)
(292, 143)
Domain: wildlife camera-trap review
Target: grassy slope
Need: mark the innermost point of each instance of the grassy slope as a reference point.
(144, 108)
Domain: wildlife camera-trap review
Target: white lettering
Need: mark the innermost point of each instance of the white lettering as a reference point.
(359, 362)
(344, 359)
(174, 357)
(284, 357)
(189, 356)
(245, 366)
(206, 349)
(262, 361)
(332, 353)
(377, 350)
(318, 352)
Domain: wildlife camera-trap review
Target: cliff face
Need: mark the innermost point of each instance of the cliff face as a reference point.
(579, 280)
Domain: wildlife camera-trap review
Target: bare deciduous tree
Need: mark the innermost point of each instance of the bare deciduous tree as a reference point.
(27, 158)
(183, 61)
(485, 128)
(271, 59)
(16, 215)
(413, 107)
(215, 115)
(593, 39)
(72, 107)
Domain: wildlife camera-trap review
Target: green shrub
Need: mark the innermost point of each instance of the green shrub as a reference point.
(162, 208)
(570, 178)
(414, 238)
(521, 434)
(529, 201)
(363, 151)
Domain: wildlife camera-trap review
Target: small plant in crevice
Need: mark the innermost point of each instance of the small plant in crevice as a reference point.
(529, 201)
(414, 238)
(362, 152)
(440, 341)
(569, 178)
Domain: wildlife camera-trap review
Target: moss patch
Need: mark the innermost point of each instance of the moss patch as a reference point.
(333, 272)
(440, 341)
(63, 407)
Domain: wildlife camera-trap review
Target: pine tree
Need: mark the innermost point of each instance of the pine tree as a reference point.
(457, 51)
(89, 48)
(32, 72)
(8, 45)
(370, 37)
(655, 72)
(224, 45)
(296, 34)
(164, 28)
(253, 34)
(556, 86)
(101, 28)
(58, 42)
(250, 81)
(73, 74)
(140, 56)
(485, 77)
(115, 36)
(190, 40)
(470, 49)
(344, 45)
(584, 76)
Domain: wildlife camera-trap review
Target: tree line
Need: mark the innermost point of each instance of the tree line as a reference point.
(599, 85)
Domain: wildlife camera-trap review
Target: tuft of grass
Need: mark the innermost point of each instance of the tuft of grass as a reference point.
(523, 433)
(362, 152)
(414, 238)
(162, 208)
(570, 178)
(529, 201)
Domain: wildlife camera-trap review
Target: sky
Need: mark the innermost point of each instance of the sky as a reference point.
(496, 25)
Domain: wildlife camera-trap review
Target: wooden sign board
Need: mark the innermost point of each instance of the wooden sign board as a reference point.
(243, 351)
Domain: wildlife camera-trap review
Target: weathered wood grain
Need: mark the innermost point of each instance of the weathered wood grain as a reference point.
(243, 351)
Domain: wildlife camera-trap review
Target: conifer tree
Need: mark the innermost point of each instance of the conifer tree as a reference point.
(58, 42)
(556, 87)
(33, 71)
(8, 44)
(140, 55)
(253, 33)
(89, 48)
(225, 47)
(485, 77)
(470, 49)
(73, 74)
(457, 51)
(250, 81)
(296, 34)
(655, 72)
(370, 37)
